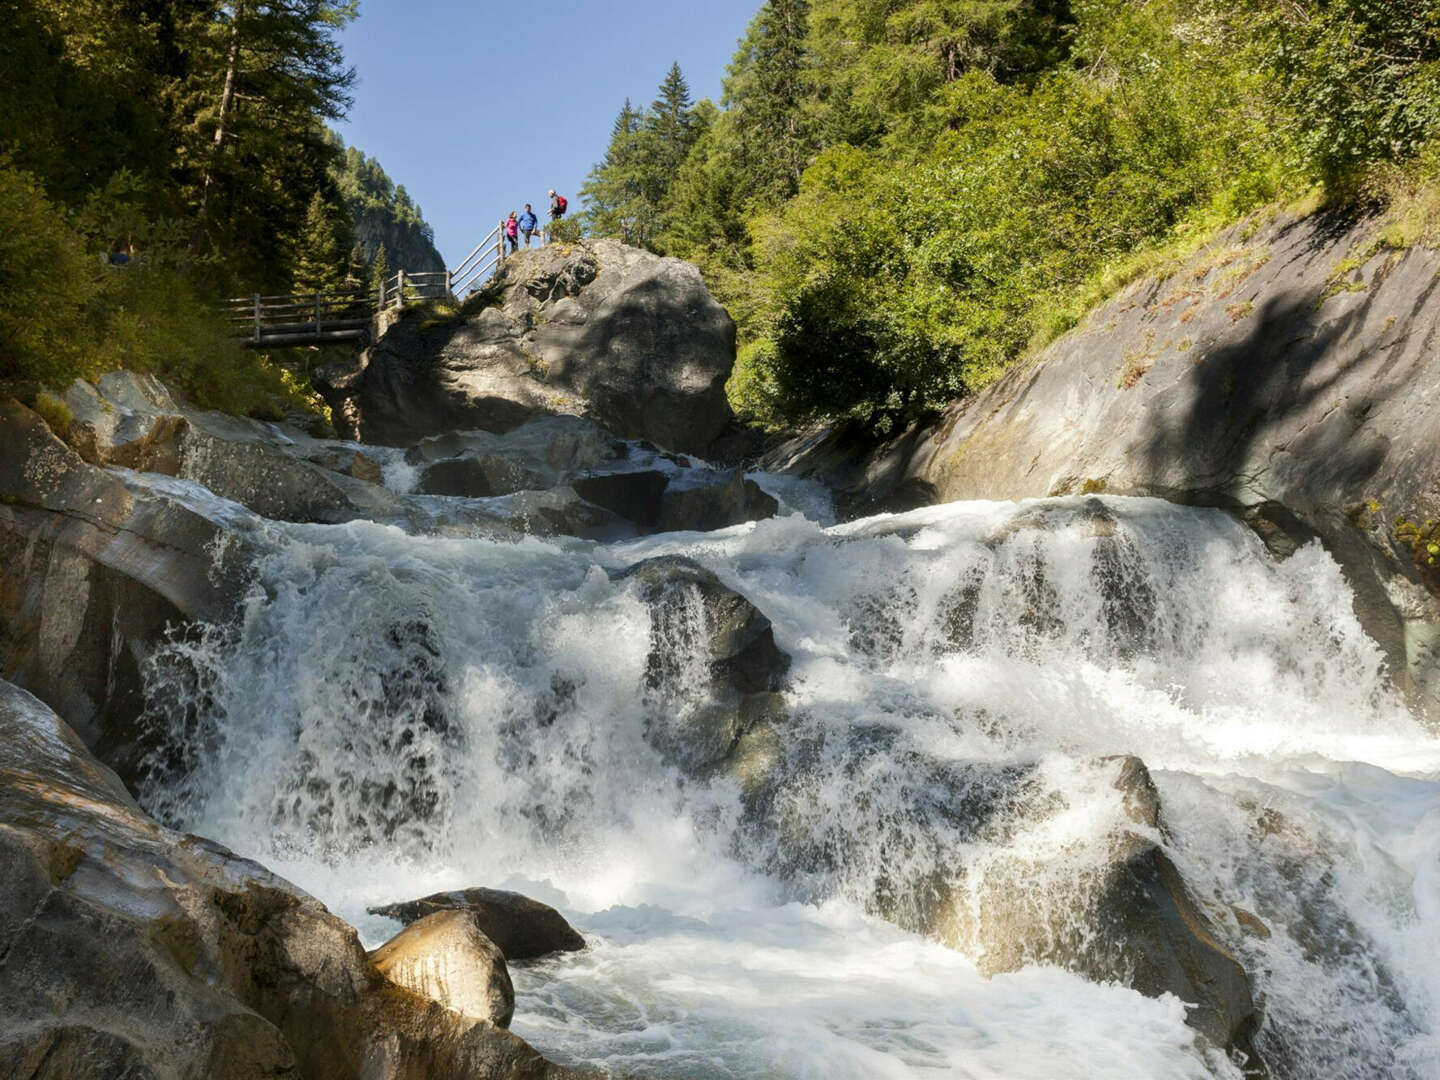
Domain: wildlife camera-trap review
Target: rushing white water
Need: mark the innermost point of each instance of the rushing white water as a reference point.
(397, 714)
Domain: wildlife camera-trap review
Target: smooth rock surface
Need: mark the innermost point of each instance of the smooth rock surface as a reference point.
(93, 574)
(133, 951)
(522, 928)
(130, 419)
(446, 958)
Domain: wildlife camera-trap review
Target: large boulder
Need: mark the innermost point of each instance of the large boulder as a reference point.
(448, 959)
(989, 865)
(629, 338)
(714, 671)
(522, 928)
(1127, 917)
(134, 951)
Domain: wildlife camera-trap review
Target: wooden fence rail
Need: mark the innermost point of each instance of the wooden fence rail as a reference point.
(346, 314)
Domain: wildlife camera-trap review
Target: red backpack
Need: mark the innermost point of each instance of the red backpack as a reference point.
(560, 204)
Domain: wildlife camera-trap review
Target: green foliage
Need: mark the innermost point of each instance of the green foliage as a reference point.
(564, 231)
(627, 193)
(322, 261)
(54, 412)
(901, 197)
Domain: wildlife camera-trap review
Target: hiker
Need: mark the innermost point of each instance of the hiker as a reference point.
(557, 208)
(529, 224)
(512, 233)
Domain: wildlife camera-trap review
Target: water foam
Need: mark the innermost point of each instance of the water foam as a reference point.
(395, 714)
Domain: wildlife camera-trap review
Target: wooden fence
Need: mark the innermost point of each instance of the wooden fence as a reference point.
(346, 315)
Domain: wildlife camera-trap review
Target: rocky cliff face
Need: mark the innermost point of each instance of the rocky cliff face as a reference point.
(628, 338)
(1287, 372)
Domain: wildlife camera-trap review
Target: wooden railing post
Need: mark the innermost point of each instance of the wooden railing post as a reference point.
(400, 289)
(257, 318)
(499, 244)
(317, 314)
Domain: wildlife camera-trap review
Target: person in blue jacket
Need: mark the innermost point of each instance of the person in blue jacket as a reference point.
(529, 224)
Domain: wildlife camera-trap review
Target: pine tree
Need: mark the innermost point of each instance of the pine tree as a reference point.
(767, 93)
(671, 124)
(320, 262)
(615, 190)
(379, 269)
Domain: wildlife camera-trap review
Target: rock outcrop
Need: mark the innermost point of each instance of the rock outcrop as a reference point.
(629, 338)
(448, 959)
(130, 950)
(92, 573)
(1286, 372)
(278, 471)
(520, 927)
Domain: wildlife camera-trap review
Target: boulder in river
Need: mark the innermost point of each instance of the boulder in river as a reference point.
(276, 470)
(714, 670)
(448, 959)
(131, 950)
(522, 928)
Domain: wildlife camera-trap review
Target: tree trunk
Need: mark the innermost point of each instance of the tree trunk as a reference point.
(227, 100)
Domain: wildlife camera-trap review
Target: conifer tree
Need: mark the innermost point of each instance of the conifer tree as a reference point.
(766, 89)
(320, 261)
(379, 269)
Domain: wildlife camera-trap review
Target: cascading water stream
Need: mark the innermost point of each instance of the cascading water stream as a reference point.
(396, 714)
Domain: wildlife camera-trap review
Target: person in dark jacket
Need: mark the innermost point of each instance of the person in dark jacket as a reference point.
(529, 224)
(558, 207)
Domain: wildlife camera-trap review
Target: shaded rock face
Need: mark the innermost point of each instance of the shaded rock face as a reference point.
(1253, 378)
(521, 928)
(133, 951)
(92, 575)
(445, 957)
(629, 338)
(714, 670)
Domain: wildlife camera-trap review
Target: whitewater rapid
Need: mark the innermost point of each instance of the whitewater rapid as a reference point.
(396, 714)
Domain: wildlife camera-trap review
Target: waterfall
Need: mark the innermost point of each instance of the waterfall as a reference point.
(392, 714)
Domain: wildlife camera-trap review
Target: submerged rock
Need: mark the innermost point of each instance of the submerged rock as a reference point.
(714, 669)
(446, 958)
(131, 950)
(522, 928)
(1132, 919)
(627, 337)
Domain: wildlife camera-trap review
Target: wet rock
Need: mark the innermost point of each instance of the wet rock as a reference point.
(280, 472)
(1127, 917)
(635, 496)
(713, 502)
(629, 338)
(446, 958)
(92, 575)
(477, 477)
(520, 927)
(714, 670)
(134, 951)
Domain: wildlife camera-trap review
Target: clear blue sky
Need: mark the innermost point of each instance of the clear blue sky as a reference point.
(478, 107)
